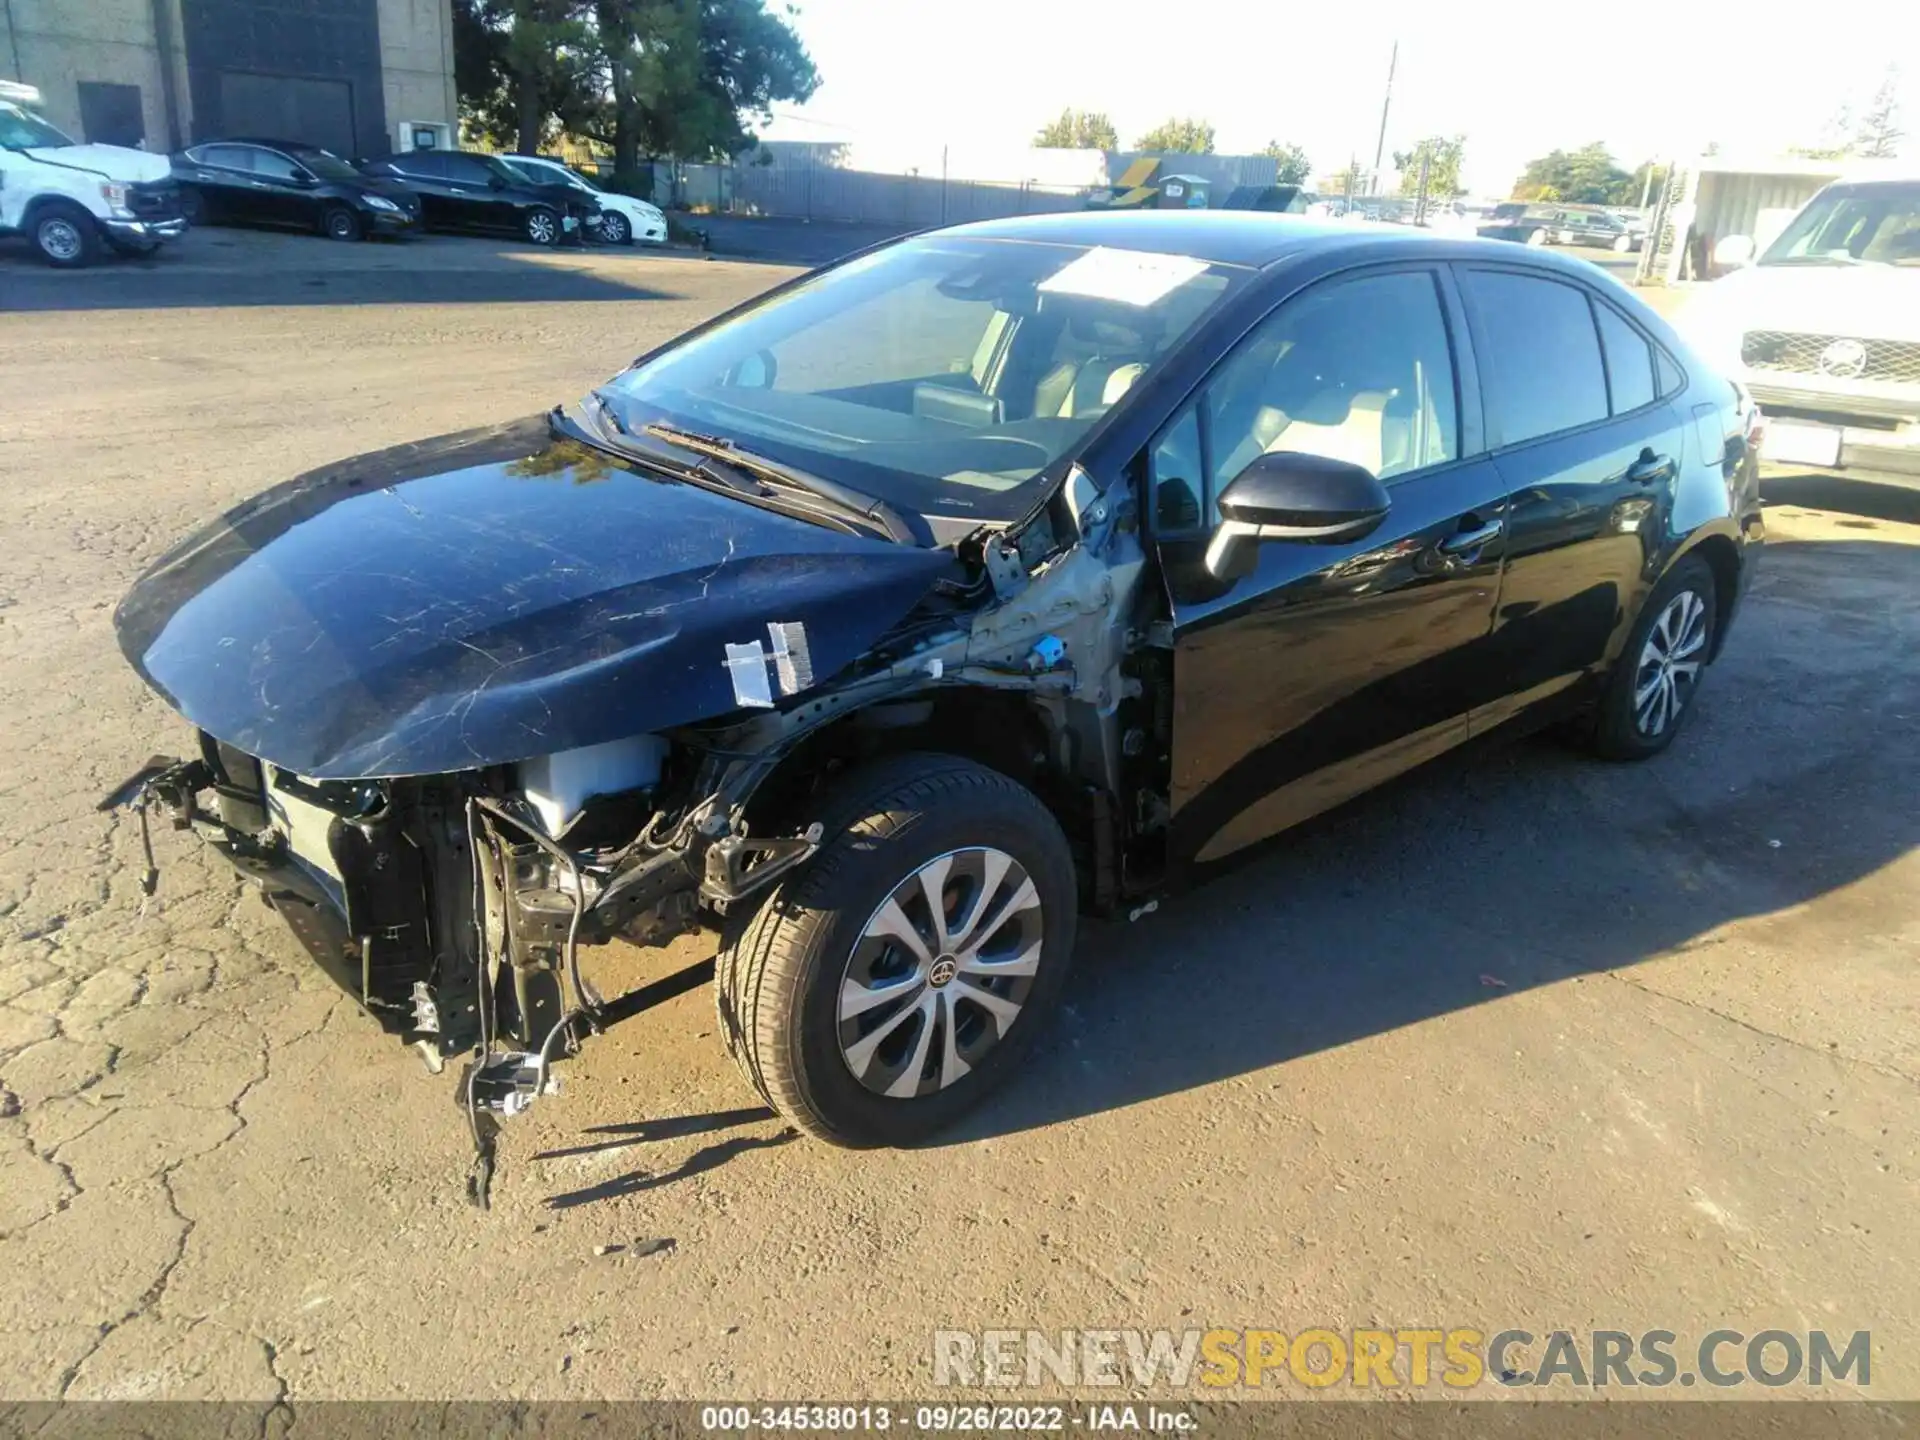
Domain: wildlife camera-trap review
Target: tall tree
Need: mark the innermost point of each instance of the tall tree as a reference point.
(517, 64)
(1293, 165)
(1078, 130)
(1442, 155)
(1878, 135)
(1587, 176)
(1183, 136)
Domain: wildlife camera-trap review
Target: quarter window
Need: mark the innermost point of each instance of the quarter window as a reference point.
(1629, 361)
(1542, 354)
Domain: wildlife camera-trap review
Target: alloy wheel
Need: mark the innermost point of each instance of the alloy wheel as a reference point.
(940, 973)
(60, 238)
(541, 228)
(614, 228)
(1670, 662)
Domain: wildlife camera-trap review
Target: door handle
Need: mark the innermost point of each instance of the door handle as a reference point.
(1468, 541)
(1650, 467)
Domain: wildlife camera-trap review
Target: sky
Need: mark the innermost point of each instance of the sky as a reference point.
(1516, 77)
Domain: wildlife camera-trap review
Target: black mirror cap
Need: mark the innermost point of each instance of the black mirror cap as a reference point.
(1314, 497)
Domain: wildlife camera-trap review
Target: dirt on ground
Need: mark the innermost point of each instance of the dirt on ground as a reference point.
(1525, 1042)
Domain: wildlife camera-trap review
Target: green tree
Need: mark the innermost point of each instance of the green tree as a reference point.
(685, 78)
(1078, 130)
(1587, 176)
(1293, 168)
(1182, 136)
(1442, 156)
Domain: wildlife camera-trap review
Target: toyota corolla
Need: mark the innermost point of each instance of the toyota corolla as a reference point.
(889, 623)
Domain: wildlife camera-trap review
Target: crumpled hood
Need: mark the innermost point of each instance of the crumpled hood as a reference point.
(115, 162)
(488, 597)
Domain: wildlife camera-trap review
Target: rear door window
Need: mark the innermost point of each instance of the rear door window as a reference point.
(228, 157)
(1629, 361)
(273, 165)
(1539, 354)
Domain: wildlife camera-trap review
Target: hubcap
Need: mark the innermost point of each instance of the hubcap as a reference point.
(341, 223)
(1670, 664)
(542, 228)
(940, 973)
(60, 239)
(616, 228)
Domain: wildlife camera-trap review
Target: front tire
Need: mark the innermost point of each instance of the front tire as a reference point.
(1651, 691)
(885, 988)
(337, 222)
(1622, 244)
(64, 235)
(614, 228)
(541, 226)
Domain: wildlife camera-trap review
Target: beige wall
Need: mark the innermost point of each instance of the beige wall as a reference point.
(60, 43)
(416, 61)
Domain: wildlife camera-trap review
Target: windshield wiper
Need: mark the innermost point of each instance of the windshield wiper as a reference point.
(727, 472)
(761, 467)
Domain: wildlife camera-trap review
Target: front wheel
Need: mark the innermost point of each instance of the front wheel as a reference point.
(614, 228)
(884, 989)
(1651, 691)
(1622, 244)
(65, 235)
(542, 226)
(340, 223)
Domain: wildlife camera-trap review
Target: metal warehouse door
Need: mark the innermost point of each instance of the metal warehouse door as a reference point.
(281, 107)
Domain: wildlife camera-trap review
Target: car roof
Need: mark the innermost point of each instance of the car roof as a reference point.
(1251, 238)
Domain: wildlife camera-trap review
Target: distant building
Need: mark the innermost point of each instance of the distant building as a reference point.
(357, 76)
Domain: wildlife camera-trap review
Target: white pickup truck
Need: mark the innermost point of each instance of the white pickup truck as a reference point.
(1823, 329)
(70, 200)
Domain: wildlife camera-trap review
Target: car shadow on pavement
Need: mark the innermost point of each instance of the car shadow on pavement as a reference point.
(221, 267)
(1866, 499)
(1507, 867)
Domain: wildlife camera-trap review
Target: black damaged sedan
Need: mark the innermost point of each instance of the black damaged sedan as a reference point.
(892, 621)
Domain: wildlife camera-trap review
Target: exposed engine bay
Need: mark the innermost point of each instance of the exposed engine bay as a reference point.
(453, 907)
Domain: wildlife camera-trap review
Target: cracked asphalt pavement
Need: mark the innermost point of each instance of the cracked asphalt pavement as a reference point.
(1525, 1041)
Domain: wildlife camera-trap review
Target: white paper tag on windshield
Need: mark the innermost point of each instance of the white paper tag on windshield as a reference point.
(1130, 277)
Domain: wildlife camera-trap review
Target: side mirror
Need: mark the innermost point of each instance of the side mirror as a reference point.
(756, 372)
(1307, 499)
(1734, 251)
(305, 178)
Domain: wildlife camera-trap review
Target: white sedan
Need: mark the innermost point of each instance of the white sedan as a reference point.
(623, 219)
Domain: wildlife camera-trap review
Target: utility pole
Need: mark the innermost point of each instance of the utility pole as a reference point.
(1386, 104)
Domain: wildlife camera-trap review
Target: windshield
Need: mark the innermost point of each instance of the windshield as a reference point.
(940, 374)
(501, 170)
(1845, 225)
(327, 165)
(22, 129)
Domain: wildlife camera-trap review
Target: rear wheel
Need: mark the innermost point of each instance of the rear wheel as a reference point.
(1536, 237)
(65, 235)
(541, 226)
(192, 208)
(1622, 244)
(338, 222)
(1651, 691)
(884, 989)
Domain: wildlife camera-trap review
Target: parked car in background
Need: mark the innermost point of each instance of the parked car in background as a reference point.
(908, 611)
(459, 190)
(1527, 224)
(71, 200)
(1587, 225)
(1824, 331)
(284, 183)
(623, 219)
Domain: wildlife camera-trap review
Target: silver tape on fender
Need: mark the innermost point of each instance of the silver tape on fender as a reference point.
(792, 661)
(747, 664)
